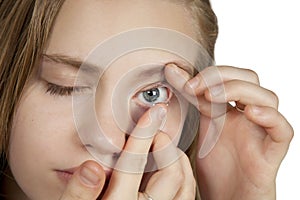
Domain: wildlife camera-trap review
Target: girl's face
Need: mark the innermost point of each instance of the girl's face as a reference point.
(44, 146)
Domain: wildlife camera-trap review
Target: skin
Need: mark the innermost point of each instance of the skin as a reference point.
(44, 141)
(253, 142)
(258, 137)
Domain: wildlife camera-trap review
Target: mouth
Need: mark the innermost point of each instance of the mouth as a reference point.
(66, 174)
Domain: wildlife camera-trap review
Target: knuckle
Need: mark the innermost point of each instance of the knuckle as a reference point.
(291, 133)
(175, 175)
(184, 157)
(253, 76)
(202, 106)
(178, 178)
(275, 98)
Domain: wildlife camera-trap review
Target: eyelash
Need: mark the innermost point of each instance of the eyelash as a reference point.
(58, 90)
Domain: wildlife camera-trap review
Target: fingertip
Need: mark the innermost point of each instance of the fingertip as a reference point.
(95, 167)
(273, 121)
(171, 71)
(191, 86)
(86, 183)
(171, 68)
(92, 174)
(158, 112)
(176, 75)
(161, 110)
(155, 114)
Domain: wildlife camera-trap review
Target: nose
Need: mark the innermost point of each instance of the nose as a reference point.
(112, 138)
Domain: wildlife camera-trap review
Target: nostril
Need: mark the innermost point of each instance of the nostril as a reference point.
(116, 156)
(88, 146)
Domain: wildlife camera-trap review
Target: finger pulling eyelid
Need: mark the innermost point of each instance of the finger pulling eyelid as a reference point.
(155, 85)
(184, 66)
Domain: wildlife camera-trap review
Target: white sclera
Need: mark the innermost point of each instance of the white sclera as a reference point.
(86, 122)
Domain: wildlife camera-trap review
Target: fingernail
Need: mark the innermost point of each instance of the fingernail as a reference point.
(172, 65)
(256, 110)
(89, 176)
(217, 90)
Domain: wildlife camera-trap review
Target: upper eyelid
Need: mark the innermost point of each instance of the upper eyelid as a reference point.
(66, 86)
(154, 85)
(65, 81)
(65, 78)
(60, 90)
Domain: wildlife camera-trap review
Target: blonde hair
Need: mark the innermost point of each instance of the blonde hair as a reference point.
(25, 26)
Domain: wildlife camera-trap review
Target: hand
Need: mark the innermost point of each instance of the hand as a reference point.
(171, 181)
(244, 162)
(86, 183)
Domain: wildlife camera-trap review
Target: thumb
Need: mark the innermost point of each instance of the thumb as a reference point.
(86, 184)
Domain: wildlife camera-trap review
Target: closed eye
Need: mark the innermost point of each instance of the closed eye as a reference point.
(59, 90)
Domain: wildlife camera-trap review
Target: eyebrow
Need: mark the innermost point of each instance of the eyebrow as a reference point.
(71, 61)
(150, 73)
(90, 68)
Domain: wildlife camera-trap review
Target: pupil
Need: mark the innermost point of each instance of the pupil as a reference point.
(151, 95)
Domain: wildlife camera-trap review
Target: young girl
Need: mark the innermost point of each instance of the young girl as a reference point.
(42, 43)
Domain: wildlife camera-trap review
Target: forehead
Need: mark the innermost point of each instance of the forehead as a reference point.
(81, 25)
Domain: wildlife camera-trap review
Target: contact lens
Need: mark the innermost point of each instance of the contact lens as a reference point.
(151, 95)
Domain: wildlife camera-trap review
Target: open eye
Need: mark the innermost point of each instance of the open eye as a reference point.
(152, 96)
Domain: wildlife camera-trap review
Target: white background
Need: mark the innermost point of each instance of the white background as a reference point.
(263, 35)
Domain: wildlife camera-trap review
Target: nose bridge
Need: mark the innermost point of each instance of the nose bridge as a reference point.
(114, 137)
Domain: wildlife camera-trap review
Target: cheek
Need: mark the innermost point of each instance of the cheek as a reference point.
(41, 138)
(41, 123)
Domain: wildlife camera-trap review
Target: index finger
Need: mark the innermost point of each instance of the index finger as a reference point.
(130, 166)
(179, 78)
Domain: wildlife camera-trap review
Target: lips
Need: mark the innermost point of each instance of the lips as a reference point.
(66, 174)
